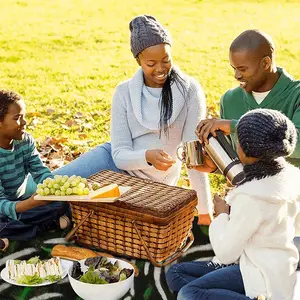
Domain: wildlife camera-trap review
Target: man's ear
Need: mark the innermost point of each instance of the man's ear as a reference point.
(267, 62)
(138, 61)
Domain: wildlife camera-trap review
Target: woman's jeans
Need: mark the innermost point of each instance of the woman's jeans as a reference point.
(89, 163)
(207, 281)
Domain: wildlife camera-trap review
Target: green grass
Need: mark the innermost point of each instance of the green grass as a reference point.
(68, 55)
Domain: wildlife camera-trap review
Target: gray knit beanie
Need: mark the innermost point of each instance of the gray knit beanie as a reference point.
(266, 133)
(146, 31)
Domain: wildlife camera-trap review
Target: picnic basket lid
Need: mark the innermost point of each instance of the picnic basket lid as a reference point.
(146, 196)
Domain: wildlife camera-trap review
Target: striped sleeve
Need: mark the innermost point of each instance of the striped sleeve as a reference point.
(7, 207)
(35, 165)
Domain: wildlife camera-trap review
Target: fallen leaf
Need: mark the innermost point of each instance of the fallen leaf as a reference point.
(83, 136)
(78, 115)
(50, 111)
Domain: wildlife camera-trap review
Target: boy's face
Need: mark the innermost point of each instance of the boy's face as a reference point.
(13, 125)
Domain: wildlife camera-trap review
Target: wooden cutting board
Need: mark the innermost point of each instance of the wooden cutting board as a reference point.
(86, 198)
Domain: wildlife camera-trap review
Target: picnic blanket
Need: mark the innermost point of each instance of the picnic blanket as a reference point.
(149, 285)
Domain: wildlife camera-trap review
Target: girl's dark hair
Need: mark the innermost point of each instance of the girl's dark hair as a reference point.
(166, 100)
(6, 99)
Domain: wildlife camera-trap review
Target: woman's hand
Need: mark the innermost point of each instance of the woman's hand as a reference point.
(220, 206)
(205, 127)
(159, 159)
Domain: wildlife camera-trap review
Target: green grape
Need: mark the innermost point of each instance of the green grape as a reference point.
(69, 191)
(67, 184)
(50, 185)
(62, 193)
(57, 193)
(75, 190)
(42, 193)
(84, 180)
(74, 183)
(47, 180)
(63, 188)
(52, 191)
(95, 186)
(40, 186)
(39, 191)
(81, 185)
(72, 177)
(86, 191)
(46, 191)
(56, 186)
(79, 191)
(65, 178)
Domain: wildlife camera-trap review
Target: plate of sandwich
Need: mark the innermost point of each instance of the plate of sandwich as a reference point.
(34, 271)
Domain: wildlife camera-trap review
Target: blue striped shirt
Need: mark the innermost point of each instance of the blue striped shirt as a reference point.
(15, 165)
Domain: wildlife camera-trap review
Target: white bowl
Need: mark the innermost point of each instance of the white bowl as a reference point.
(110, 291)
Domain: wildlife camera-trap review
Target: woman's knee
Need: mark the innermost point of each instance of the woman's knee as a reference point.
(174, 277)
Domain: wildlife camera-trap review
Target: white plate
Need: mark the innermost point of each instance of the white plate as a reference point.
(65, 266)
(87, 198)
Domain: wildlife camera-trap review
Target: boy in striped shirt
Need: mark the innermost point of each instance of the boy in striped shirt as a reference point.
(22, 217)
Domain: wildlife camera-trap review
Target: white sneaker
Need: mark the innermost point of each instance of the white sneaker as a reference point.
(64, 222)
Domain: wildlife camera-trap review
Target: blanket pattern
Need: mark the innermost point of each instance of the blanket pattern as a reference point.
(149, 285)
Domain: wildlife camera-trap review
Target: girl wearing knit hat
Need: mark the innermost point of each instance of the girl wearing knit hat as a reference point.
(152, 114)
(255, 253)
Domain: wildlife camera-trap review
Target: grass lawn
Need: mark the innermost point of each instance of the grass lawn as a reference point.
(66, 56)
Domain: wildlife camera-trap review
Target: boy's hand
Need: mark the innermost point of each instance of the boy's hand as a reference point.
(220, 206)
(159, 159)
(205, 127)
(30, 203)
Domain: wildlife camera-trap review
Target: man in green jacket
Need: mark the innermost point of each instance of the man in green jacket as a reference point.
(262, 85)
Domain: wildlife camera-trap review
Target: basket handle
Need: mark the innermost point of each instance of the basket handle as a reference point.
(73, 231)
(170, 259)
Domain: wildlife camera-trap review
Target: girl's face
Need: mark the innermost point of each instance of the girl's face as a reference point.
(156, 62)
(13, 125)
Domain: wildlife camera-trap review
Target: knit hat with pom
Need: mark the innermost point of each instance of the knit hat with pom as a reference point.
(266, 133)
(146, 32)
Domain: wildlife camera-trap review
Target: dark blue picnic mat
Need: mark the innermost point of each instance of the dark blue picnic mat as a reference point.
(149, 285)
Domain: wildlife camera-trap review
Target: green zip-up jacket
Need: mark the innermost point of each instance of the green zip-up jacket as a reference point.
(284, 96)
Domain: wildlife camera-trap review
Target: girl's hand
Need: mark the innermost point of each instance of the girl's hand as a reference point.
(220, 206)
(159, 159)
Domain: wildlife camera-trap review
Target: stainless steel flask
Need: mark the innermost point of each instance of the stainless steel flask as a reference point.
(226, 159)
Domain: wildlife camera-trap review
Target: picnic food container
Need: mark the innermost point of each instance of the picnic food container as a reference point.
(110, 291)
(150, 221)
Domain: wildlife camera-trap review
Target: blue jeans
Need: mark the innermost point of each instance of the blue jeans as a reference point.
(89, 163)
(32, 222)
(206, 281)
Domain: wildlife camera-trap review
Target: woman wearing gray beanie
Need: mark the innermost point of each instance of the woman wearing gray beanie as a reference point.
(255, 254)
(152, 114)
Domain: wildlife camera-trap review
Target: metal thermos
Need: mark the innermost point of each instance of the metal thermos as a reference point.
(226, 159)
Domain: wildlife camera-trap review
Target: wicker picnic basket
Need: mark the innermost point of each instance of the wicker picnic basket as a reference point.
(150, 221)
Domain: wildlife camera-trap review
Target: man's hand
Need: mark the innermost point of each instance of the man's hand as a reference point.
(205, 127)
(220, 206)
(159, 159)
(30, 203)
